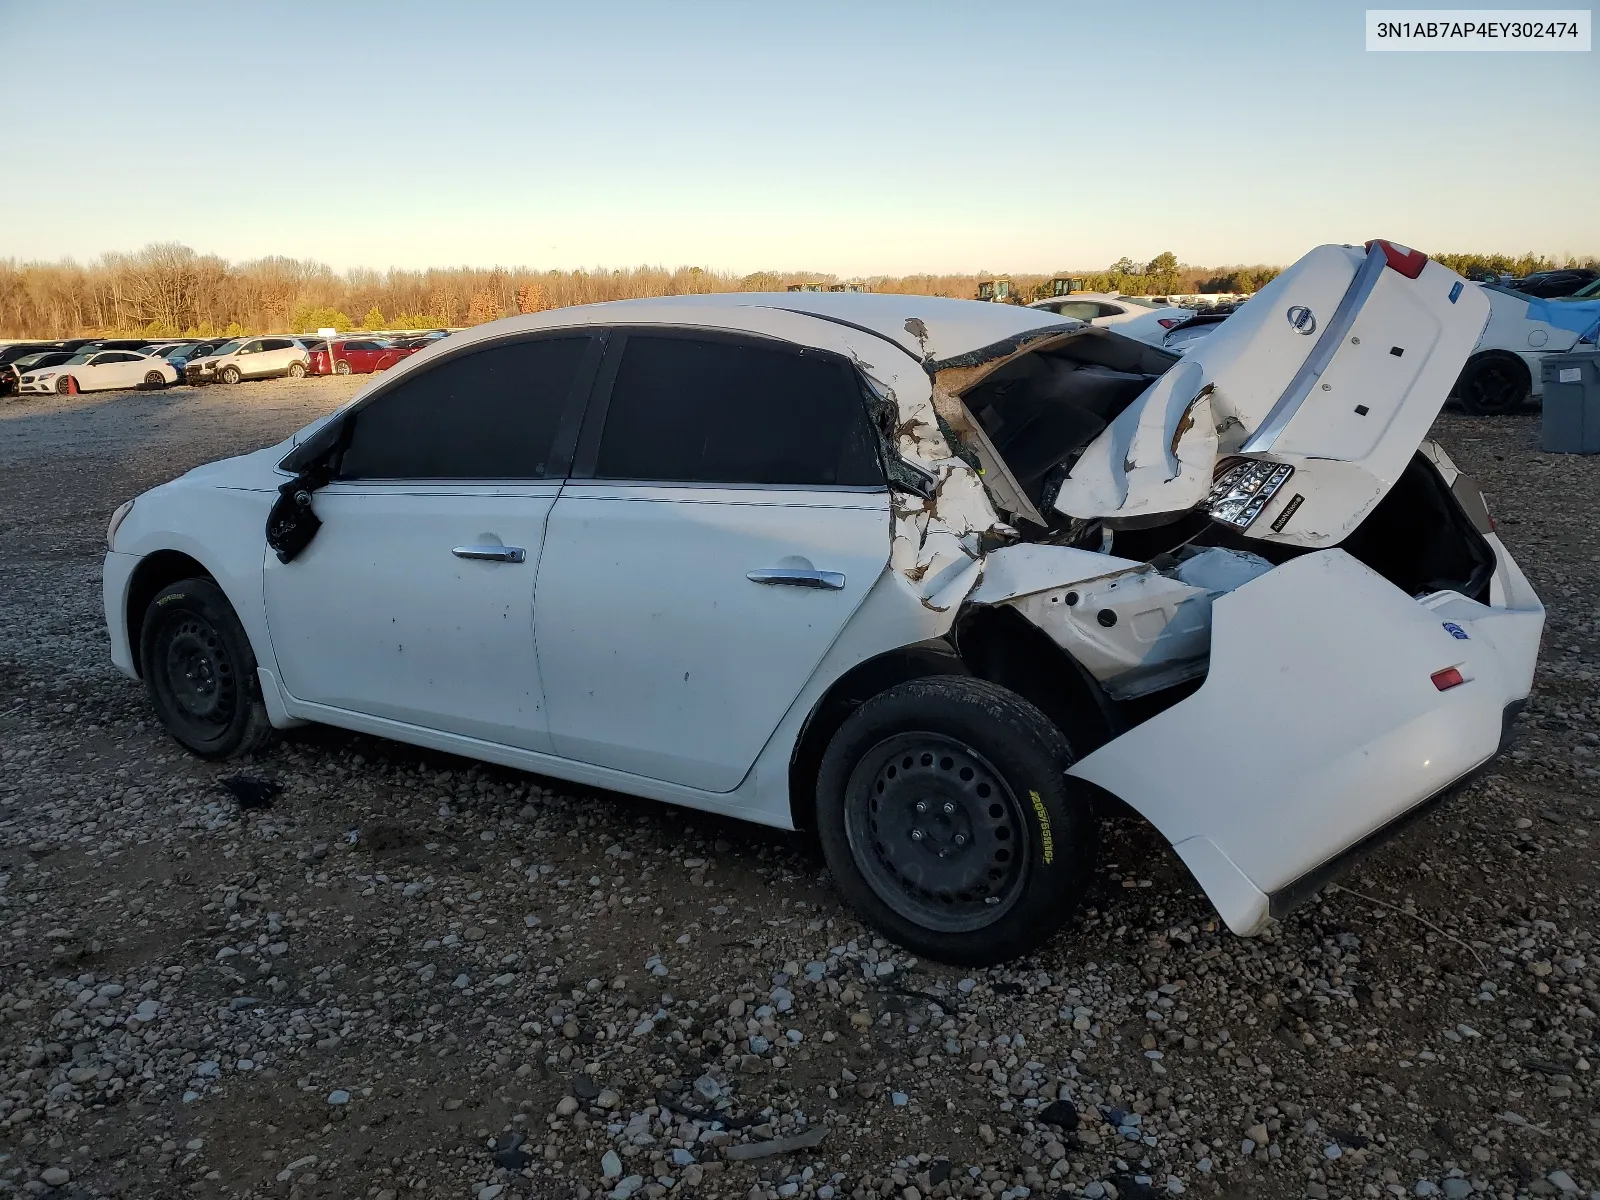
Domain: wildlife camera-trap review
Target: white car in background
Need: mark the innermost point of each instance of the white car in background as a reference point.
(251, 358)
(931, 577)
(101, 370)
(1131, 316)
(1503, 372)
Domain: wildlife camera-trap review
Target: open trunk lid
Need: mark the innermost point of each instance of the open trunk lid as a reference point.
(1294, 419)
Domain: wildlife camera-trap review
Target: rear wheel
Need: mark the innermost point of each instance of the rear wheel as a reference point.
(154, 379)
(946, 816)
(201, 673)
(341, 368)
(1493, 385)
(230, 375)
(297, 370)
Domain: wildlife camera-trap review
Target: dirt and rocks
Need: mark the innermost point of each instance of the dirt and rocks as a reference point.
(411, 975)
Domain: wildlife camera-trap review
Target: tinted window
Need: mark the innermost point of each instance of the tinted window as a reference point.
(728, 412)
(276, 344)
(490, 414)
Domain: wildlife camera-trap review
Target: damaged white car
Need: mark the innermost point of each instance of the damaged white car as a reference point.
(937, 579)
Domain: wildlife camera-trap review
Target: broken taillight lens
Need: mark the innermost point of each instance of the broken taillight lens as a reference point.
(1404, 259)
(1446, 679)
(1243, 490)
(1169, 322)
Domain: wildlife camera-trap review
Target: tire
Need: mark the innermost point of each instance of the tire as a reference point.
(155, 379)
(230, 375)
(1494, 385)
(1001, 854)
(66, 386)
(297, 370)
(341, 367)
(201, 673)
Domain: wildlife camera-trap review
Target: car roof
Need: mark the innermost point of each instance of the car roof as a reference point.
(925, 327)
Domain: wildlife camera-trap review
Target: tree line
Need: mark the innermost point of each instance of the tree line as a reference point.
(171, 290)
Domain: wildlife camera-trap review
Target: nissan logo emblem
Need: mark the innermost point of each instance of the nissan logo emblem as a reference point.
(1303, 319)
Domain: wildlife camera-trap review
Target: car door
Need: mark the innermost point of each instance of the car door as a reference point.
(727, 514)
(115, 369)
(276, 355)
(414, 602)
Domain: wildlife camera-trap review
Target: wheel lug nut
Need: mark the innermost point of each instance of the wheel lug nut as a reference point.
(961, 839)
(922, 806)
(916, 835)
(949, 808)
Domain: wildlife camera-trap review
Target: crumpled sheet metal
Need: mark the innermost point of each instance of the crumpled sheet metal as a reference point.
(1156, 458)
(938, 540)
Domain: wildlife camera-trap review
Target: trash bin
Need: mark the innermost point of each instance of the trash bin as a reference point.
(1571, 402)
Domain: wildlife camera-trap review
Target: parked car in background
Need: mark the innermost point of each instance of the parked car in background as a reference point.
(1549, 285)
(1182, 337)
(1101, 308)
(12, 373)
(359, 356)
(182, 355)
(1503, 372)
(251, 358)
(98, 371)
(845, 562)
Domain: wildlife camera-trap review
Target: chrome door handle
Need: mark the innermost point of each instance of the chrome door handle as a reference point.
(833, 580)
(511, 554)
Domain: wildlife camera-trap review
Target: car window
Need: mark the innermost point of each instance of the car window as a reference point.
(1111, 310)
(487, 414)
(721, 411)
(1082, 310)
(277, 344)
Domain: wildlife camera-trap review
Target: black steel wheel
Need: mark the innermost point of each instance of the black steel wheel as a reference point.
(949, 823)
(937, 832)
(1494, 385)
(200, 671)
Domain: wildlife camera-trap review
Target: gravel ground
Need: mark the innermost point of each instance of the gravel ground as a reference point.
(412, 975)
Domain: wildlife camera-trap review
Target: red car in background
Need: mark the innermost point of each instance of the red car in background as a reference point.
(359, 356)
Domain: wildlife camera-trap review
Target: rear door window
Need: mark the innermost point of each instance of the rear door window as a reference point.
(693, 410)
(487, 414)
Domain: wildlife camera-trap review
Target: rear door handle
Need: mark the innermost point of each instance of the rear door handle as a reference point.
(832, 580)
(511, 554)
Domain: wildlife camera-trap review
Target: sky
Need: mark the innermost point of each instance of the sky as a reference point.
(859, 138)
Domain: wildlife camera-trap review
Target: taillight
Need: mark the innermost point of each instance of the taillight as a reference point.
(1169, 322)
(1446, 679)
(1404, 259)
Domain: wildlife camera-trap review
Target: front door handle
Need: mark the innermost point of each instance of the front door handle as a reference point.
(511, 554)
(833, 580)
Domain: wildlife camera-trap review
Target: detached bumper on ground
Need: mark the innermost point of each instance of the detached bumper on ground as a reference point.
(1320, 724)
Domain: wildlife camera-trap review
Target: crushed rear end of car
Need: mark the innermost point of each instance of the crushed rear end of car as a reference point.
(1291, 609)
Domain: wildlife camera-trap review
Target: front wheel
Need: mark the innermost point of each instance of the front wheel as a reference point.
(230, 375)
(297, 370)
(66, 386)
(946, 816)
(154, 379)
(201, 673)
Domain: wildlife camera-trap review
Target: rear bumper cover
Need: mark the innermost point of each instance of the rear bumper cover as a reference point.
(1291, 896)
(1318, 726)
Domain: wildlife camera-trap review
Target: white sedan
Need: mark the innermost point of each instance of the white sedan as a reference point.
(1504, 370)
(101, 370)
(850, 562)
